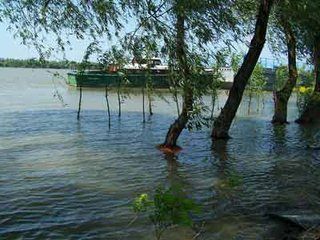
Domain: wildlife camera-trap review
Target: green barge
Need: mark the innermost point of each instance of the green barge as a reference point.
(138, 74)
(94, 79)
(103, 79)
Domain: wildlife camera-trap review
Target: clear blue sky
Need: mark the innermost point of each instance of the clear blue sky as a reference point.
(13, 48)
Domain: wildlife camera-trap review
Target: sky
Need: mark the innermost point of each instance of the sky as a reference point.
(11, 47)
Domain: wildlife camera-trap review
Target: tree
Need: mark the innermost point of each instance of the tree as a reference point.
(222, 124)
(35, 21)
(284, 27)
(185, 28)
(309, 28)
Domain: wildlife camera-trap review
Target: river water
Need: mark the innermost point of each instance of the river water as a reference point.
(66, 179)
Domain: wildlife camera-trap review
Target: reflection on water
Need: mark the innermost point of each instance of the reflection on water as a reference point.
(60, 178)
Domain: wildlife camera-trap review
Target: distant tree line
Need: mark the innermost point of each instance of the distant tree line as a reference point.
(36, 63)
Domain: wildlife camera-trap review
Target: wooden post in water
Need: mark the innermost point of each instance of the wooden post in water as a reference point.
(213, 103)
(150, 103)
(79, 106)
(119, 101)
(143, 107)
(108, 106)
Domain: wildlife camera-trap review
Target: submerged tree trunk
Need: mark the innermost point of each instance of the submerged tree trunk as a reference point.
(222, 124)
(281, 97)
(181, 122)
(312, 112)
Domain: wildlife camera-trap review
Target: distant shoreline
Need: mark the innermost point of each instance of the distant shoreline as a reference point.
(35, 63)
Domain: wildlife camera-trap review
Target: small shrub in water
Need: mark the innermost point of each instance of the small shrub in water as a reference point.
(168, 208)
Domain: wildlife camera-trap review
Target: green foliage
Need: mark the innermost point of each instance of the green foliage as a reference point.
(257, 80)
(142, 203)
(35, 63)
(281, 77)
(34, 21)
(168, 208)
(304, 96)
(305, 77)
(236, 60)
(114, 56)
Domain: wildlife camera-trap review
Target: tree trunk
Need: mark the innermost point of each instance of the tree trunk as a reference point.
(312, 112)
(180, 123)
(222, 124)
(282, 97)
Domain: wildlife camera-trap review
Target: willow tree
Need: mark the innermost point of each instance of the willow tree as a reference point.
(284, 38)
(185, 29)
(309, 28)
(222, 124)
(199, 22)
(37, 22)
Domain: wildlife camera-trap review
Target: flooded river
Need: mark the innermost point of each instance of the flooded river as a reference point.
(66, 179)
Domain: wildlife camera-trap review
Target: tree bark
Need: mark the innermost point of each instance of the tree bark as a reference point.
(282, 97)
(222, 124)
(312, 112)
(180, 123)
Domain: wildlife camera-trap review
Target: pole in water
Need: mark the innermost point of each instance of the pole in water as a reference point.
(79, 107)
(150, 104)
(119, 102)
(213, 102)
(143, 107)
(108, 106)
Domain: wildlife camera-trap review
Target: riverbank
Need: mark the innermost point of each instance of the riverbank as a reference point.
(36, 63)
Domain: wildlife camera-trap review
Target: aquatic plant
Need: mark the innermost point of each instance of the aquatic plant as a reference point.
(168, 208)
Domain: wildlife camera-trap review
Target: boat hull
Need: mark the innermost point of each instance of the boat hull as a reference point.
(98, 80)
(113, 80)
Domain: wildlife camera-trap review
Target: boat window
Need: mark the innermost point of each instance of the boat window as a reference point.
(156, 62)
